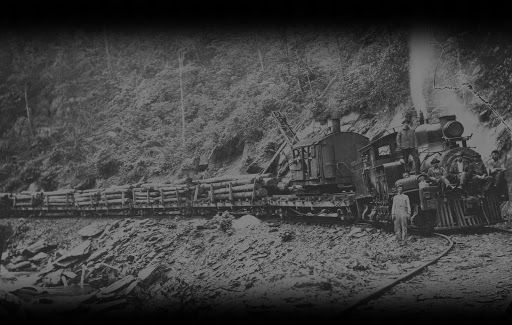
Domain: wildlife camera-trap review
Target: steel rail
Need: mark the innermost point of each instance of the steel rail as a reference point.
(378, 292)
(499, 229)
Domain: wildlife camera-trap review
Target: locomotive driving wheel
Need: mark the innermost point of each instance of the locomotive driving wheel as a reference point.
(425, 222)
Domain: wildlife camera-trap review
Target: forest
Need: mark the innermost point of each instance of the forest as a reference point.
(86, 107)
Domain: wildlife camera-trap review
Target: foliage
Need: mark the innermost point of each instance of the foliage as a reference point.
(109, 101)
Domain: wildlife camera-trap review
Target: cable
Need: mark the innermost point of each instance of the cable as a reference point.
(406, 276)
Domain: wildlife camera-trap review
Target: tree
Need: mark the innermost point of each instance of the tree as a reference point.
(182, 104)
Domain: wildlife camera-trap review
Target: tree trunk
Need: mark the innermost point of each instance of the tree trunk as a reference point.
(298, 64)
(308, 71)
(180, 62)
(287, 53)
(109, 63)
(328, 86)
(29, 115)
(261, 60)
(338, 49)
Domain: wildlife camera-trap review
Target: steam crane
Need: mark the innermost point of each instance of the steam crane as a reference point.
(287, 132)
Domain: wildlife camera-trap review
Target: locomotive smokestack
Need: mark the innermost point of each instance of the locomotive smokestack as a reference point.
(334, 125)
(422, 118)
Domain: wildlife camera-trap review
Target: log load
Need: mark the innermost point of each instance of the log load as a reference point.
(59, 199)
(243, 195)
(24, 200)
(160, 194)
(116, 196)
(232, 178)
(145, 196)
(234, 187)
(87, 198)
(174, 193)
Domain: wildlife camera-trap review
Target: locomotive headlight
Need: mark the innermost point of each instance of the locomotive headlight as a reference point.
(453, 129)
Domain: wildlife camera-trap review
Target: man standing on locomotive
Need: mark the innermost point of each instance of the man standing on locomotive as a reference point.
(406, 142)
(400, 212)
(496, 167)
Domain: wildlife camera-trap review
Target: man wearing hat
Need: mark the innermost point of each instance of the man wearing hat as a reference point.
(438, 174)
(496, 167)
(400, 212)
(406, 142)
(461, 170)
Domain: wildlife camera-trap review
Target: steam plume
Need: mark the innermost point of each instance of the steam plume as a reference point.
(421, 55)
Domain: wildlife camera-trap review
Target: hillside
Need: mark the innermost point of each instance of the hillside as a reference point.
(100, 107)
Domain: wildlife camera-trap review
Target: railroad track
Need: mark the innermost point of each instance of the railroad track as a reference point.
(507, 231)
(381, 290)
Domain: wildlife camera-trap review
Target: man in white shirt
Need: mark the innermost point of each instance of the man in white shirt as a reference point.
(460, 170)
(400, 212)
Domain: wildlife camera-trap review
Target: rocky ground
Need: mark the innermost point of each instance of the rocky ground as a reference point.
(221, 266)
(475, 278)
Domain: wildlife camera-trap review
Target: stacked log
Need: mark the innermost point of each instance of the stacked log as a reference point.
(87, 198)
(234, 187)
(59, 199)
(145, 196)
(228, 178)
(24, 200)
(167, 193)
(116, 196)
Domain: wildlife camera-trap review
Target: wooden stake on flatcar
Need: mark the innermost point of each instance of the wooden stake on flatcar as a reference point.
(177, 197)
(196, 193)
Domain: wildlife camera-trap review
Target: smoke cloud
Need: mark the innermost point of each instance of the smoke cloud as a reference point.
(450, 102)
(450, 96)
(420, 66)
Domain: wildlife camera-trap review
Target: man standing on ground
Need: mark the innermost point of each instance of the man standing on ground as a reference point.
(406, 142)
(400, 212)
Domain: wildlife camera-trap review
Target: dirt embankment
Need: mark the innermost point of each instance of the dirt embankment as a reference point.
(218, 266)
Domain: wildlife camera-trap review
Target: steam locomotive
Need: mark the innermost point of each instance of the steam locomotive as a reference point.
(339, 175)
(433, 208)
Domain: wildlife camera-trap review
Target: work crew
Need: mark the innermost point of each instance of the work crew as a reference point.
(406, 142)
(438, 175)
(496, 167)
(400, 212)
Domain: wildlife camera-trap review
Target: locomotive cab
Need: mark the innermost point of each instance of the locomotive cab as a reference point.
(381, 166)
